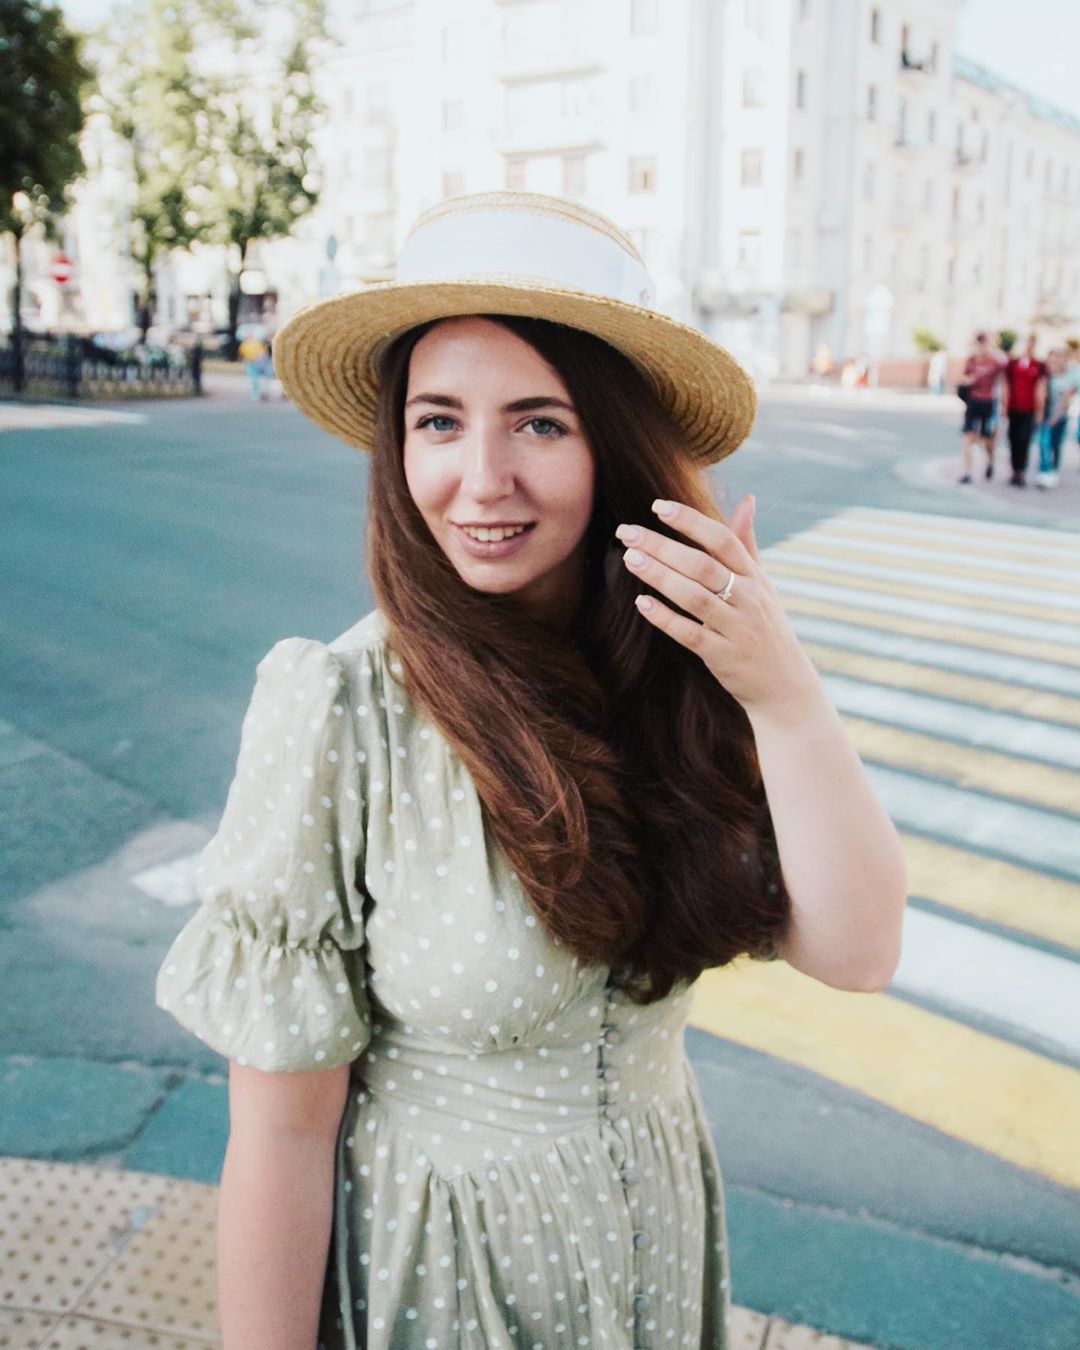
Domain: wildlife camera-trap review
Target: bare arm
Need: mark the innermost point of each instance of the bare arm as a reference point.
(840, 853)
(276, 1205)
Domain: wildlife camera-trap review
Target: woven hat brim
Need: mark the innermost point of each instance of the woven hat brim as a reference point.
(326, 354)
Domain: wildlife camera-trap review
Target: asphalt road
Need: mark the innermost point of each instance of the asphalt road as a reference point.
(906, 1180)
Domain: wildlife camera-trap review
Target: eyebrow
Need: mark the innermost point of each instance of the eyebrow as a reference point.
(518, 405)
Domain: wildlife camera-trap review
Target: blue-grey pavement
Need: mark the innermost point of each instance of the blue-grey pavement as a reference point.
(148, 568)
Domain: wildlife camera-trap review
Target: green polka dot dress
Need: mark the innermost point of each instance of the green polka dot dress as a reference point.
(523, 1160)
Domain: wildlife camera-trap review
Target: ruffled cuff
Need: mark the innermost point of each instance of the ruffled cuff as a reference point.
(274, 1007)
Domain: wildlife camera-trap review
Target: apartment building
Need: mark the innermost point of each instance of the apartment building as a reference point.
(801, 175)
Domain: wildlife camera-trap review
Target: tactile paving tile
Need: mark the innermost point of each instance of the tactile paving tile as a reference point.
(786, 1336)
(746, 1329)
(62, 1225)
(23, 1330)
(83, 1333)
(165, 1280)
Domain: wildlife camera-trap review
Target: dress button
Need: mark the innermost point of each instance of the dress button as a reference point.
(628, 1176)
(641, 1239)
(611, 1035)
(641, 1302)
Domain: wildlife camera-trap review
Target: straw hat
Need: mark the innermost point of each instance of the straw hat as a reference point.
(512, 253)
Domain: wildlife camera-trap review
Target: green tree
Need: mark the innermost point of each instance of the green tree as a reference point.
(926, 340)
(42, 78)
(150, 90)
(259, 152)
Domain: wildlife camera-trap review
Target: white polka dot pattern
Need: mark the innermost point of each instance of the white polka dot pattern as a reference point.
(523, 1159)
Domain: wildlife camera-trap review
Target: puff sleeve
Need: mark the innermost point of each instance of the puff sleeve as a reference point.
(269, 971)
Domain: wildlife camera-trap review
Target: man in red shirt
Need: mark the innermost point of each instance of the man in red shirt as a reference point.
(1023, 398)
(982, 371)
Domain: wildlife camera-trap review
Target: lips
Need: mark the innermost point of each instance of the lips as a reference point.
(478, 540)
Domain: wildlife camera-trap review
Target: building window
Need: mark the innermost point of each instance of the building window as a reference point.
(753, 87)
(347, 103)
(875, 24)
(573, 175)
(750, 250)
(868, 181)
(1030, 167)
(804, 10)
(982, 208)
(928, 195)
(931, 127)
(377, 171)
(871, 102)
(643, 173)
(750, 175)
(933, 55)
(800, 89)
(901, 122)
(453, 114)
(515, 173)
(642, 93)
(956, 203)
(756, 16)
(379, 234)
(642, 17)
(453, 183)
(798, 164)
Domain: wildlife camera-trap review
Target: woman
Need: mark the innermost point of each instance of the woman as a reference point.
(1062, 383)
(479, 847)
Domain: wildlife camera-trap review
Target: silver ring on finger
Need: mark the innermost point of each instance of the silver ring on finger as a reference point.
(729, 586)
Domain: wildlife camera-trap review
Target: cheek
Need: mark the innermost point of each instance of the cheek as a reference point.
(427, 480)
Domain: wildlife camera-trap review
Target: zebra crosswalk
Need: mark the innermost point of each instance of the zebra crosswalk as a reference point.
(951, 648)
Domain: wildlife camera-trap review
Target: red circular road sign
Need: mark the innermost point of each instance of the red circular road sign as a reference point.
(61, 269)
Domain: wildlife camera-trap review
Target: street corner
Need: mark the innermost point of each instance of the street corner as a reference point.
(1058, 506)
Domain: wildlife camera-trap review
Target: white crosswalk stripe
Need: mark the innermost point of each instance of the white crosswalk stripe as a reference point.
(954, 656)
(1041, 630)
(1009, 986)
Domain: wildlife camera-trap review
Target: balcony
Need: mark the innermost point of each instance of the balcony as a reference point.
(915, 65)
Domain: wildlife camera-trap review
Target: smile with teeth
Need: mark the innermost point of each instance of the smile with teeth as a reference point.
(492, 534)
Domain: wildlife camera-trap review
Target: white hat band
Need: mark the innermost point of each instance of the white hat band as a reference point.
(542, 248)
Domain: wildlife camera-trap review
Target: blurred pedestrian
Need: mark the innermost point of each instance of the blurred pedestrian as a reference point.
(935, 372)
(1023, 401)
(983, 371)
(253, 353)
(1062, 382)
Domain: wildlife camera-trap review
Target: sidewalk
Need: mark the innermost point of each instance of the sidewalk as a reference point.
(1058, 506)
(96, 1259)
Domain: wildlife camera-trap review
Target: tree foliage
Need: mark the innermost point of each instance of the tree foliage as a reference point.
(216, 103)
(42, 78)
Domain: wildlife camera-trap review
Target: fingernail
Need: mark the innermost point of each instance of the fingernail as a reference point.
(663, 508)
(629, 534)
(643, 602)
(634, 558)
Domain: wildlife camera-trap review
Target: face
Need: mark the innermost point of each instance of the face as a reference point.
(498, 465)
(1029, 347)
(1056, 361)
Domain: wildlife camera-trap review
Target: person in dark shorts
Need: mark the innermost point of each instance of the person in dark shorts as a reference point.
(982, 371)
(1023, 400)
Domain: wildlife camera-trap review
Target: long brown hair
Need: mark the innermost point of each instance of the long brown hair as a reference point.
(617, 776)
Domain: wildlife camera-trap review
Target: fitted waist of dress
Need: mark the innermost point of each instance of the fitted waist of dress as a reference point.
(564, 1085)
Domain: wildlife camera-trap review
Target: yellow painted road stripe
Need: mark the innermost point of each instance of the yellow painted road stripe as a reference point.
(967, 766)
(991, 533)
(941, 540)
(935, 629)
(995, 890)
(939, 594)
(903, 566)
(974, 1087)
(976, 689)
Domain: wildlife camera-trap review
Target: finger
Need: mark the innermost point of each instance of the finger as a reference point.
(691, 562)
(690, 596)
(742, 522)
(713, 535)
(695, 637)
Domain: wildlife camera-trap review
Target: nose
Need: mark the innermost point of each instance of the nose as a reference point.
(487, 471)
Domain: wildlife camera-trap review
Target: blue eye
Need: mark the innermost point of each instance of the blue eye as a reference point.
(432, 418)
(557, 431)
